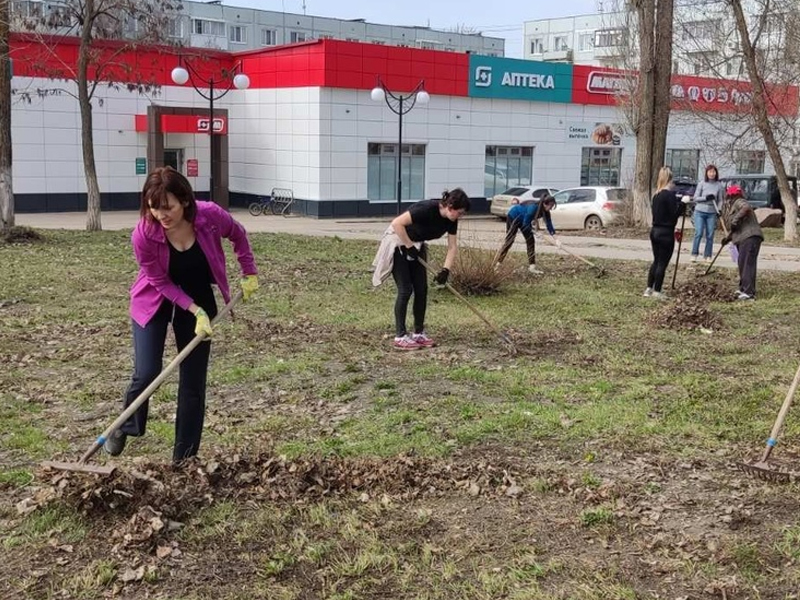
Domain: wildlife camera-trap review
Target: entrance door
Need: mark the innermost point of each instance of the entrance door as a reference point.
(173, 157)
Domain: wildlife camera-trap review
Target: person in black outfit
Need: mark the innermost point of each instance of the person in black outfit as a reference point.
(426, 220)
(667, 207)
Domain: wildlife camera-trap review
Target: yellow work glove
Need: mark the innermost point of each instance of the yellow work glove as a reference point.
(203, 323)
(249, 286)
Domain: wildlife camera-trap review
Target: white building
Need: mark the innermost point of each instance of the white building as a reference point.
(307, 123)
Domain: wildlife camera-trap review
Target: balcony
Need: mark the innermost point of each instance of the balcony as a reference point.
(563, 55)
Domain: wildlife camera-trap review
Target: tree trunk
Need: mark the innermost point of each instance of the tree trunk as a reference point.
(6, 184)
(761, 116)
(662, 63)
(644, 99)
(87, 140)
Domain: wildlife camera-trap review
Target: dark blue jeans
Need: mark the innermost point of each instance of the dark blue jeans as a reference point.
(704, 225)
(148, 347)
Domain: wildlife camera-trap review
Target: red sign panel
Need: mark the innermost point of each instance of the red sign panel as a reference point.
(191, 167)
(605, 87)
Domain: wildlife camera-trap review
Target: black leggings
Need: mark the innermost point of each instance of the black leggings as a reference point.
(410, 277)
(663, 241)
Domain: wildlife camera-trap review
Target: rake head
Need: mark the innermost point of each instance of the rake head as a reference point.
(764, 471)
(80, 467)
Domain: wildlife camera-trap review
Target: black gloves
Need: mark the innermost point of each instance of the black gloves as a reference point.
(726, 240)
(410, 253)
(710, 198)
(441, 276)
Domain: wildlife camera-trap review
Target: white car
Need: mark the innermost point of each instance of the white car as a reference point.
(522, 194)
(590, 208)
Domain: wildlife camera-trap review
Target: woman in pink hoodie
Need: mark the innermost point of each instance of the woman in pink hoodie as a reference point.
(178, 246)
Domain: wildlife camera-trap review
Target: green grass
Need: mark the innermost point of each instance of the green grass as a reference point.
(306, 370)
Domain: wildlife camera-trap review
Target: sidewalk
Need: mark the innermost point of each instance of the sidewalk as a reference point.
(484, 232)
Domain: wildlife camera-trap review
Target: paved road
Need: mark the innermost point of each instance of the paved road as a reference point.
(484, 232)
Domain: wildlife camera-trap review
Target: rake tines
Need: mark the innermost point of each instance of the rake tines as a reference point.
(766, 472)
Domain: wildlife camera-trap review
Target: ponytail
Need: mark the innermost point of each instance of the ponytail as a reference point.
(456, 199)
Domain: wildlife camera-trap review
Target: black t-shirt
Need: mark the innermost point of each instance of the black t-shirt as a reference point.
(189, 270)
(427, 223)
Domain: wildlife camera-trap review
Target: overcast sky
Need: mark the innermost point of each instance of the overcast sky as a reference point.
(501, 18)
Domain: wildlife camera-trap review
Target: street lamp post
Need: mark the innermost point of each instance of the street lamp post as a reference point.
(400, 105)
(186, 72)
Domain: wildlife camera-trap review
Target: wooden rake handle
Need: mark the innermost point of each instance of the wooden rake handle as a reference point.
(776, 428)
(469, 305)
(156, 383)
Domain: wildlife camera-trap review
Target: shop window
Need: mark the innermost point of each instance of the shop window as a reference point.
(683, 163)
(749, 161)
(382, 171)
(506, 167)
(600, 166)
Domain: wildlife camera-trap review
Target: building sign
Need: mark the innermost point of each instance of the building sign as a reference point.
(609, 87)
(191, 167)
(494, 77)
(202, 125)
(141, 165)
(607, 82)
(595, 134)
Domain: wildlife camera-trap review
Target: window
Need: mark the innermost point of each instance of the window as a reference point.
(237, 34)
(683, 163)
(505, 167)
(575, 196)
(297, 36)
(269, 37)
(175, 28)
(537, 46)
(701, 30)
(382, 171)
(600, 166)
(749, 161)
(676, 67)
(609, 38)
(204, 27)
(703, 62)
(560, 43)
(585, 41)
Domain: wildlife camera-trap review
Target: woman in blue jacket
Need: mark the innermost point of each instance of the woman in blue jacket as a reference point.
(521, 217)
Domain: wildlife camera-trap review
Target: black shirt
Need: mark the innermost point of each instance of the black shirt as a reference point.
(189, 270)
(667, 207)
(427, 223)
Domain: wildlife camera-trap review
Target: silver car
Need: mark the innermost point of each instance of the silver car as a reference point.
(590, 208)
(523, 194)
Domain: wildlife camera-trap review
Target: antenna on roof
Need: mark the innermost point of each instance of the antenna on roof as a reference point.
(304, 6)
(600, 6)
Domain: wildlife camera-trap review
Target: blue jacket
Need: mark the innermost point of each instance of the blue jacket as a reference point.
(526, 213)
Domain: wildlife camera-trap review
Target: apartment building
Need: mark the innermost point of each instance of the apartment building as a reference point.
(217, 25)
(704, 33)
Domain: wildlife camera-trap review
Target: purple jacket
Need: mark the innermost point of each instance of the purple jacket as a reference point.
(153, 284)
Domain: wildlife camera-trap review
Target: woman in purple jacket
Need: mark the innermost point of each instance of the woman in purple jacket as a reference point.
(178, 246)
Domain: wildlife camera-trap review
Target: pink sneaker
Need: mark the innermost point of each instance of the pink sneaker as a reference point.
(423, 340)
(405, 343)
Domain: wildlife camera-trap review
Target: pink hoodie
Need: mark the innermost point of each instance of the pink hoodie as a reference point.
(153, 284)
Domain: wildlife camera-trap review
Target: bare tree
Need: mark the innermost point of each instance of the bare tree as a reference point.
(110, 31)
(6, 187)
(760, 112)
(760, 46)
(651, 100)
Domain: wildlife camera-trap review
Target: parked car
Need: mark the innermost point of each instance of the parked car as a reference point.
(685, 186)
(523, 194)
(760, 190)
(587, 207)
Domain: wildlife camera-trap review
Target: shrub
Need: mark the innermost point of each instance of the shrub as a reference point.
(20, 235)
(474, 272)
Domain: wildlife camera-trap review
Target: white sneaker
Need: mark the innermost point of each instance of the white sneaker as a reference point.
(648, 292)
(694, 258)
(535, 270)
(660, 295)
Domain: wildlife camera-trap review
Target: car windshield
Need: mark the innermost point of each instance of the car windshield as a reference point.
(514, 191)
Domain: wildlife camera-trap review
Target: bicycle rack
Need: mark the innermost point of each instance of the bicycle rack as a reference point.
(283, 197)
